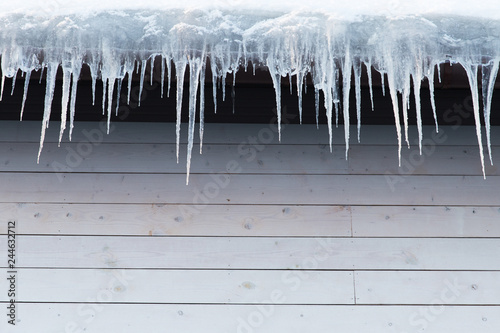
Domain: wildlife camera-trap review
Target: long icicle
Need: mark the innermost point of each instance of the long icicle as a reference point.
(431, 90)
(489, 74)
(417, 83)
(25, 93)
(276, 77)
(357, 86)
(180, 69)
(395, 106)
(195, 68)
(472, 71)
(202, 104)
(368, 65)
(74, 85)
(111, 87)
(346, 78)
(49, 95)
(64, 102)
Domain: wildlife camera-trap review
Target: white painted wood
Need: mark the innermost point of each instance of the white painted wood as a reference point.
(230, 240)
(249, 189)
(435, 160)
(182, 318)
(425, 221)
(258, 253)
(29, 131)
(438, 287)
(276, 158)
(168, 220)
(161, 158)
(182, 286)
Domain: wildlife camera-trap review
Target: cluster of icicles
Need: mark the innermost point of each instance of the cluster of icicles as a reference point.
(405, 51)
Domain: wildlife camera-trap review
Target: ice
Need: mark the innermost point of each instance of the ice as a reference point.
(472, 71)
(346, 80)
(180, 67)
(326, 43)
(25, 93)
(489, 73)
(196, 66)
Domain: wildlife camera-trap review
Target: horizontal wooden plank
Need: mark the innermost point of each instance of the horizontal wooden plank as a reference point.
(258, 220)
(178, 286)
(257, 253)
(282, 158)
(435, 160)
(29, 131)
(168, 220)
(425, 221)
(395, 287)
(161, 158)
(220, 188)
(132, 318)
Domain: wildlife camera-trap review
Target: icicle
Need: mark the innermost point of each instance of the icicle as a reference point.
(223, 84)
(214, 92)
(316, 104)
(472, 70)
(151, 65)
(430, 79)
(337, 106)
(13, 83)
(94, 79)
(276, 77)
(300, 82)
(25, 94)
(72, 101)
(141, 83)
(3, 84)
(118, 91)
(76, 69)
(370, 83)
(180, 69)
(64, 102)
(213, 68)
(489, 74)
(357, 87)
(202, 104)
(395, 106)
(169, 75)
(233, 92)
(162, 75)
(416, 91)
(111, 87)
(336, 99)
(104, 85)
(346, 79)
(39, 80)
(129, 85)
(290, 83)
(382, 80)
(406, 106)
(49, 95)
(329, 105)
(195, 67)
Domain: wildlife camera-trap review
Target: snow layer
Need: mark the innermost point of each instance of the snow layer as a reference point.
(404, 40)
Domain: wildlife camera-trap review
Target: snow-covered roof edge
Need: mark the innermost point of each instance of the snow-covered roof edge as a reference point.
(405, 48)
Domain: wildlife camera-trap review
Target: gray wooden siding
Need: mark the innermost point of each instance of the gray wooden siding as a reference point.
(267, 237)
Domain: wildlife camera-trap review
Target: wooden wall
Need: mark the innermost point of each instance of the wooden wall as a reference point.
(267, 237)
